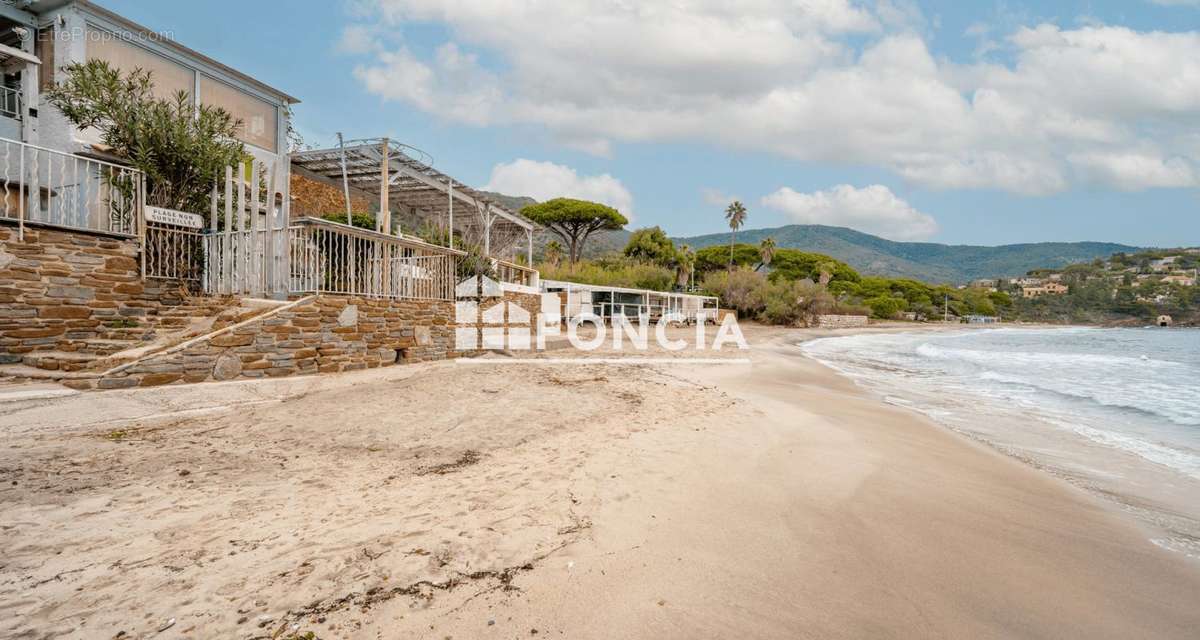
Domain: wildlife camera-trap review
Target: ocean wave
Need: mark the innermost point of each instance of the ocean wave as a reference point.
(988, 356)
(1161, 405)
(1182, 461)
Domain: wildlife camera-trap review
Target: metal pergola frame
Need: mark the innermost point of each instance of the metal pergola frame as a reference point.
(408, 189)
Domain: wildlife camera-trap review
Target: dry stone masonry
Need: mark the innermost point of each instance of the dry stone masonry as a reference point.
(67, 291)
(66, 294)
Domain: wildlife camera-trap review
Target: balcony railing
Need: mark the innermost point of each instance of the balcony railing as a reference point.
(512, 273)
(327, 257)
(51, 187)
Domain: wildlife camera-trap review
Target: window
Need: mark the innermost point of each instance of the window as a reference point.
(168, 76)
(259, 117)
(43, 48)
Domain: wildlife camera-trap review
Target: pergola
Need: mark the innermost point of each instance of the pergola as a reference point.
(410, 193)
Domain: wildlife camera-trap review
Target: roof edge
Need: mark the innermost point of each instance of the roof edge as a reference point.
(188, 51)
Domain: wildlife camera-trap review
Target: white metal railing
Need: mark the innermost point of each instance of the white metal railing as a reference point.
(651, 312)
(10, 102)
(516, 274)
(173, 252)
(327, 257)
(51, 187)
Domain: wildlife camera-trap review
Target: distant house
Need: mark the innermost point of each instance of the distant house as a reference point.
(38, 39)
(1181, 280)
(984, 283)
(976, 319)
(1163, 264)
(1027, 281)
(1044, 289)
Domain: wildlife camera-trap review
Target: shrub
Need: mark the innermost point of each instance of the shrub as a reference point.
(182, 149)
(795, 302)
(885, 306)
(740, 289)
(361, 220)
(612, 272)
(651, 245)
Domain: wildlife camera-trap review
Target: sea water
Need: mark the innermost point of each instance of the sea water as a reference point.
(1115, 411)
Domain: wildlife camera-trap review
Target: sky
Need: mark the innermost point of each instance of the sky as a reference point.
(937, 120)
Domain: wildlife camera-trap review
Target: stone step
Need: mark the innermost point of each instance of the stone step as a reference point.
(105, 347)
(26, 372)
(59, 360)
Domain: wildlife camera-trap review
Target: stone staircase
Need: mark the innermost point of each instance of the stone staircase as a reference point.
(88, 354)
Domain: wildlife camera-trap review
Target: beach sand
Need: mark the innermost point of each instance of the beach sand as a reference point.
(502, 499)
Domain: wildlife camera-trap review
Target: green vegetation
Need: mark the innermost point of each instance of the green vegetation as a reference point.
(360, 220)
(613, 272)
(1128, 288)
(777, 286)
(182, 148)
(650, 245)
(574, 221)
(924, 261)
(735, 215)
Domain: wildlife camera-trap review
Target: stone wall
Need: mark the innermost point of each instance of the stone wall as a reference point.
(58, 288)
(322, 334)
(841, 321)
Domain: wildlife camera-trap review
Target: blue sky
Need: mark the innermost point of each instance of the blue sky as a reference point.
(976, 123)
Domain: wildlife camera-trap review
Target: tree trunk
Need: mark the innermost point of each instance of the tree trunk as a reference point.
(574, 244)
(732, 235)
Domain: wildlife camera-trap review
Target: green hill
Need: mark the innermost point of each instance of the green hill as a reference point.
(872, 255)
(926, 261)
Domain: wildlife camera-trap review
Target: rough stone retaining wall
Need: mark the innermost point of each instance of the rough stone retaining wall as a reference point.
(841, 322)
(61, 287)
(321, 334)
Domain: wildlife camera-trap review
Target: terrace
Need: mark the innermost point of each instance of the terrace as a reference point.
(409, 196)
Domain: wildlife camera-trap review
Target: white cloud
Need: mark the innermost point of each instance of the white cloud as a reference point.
(815, 80)
(453, 85)
(716, 197)
(1132, 171)
(872, 209)
(545, 180)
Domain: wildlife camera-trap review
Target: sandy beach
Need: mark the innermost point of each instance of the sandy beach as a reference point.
(503, 499)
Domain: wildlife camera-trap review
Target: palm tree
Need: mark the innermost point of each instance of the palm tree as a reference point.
(766, 252)
(735, 215)
(553, 252)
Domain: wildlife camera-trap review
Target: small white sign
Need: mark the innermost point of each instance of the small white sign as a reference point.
(173, 217)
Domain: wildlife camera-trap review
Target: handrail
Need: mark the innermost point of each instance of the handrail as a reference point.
(52, 187)
(370, 234)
